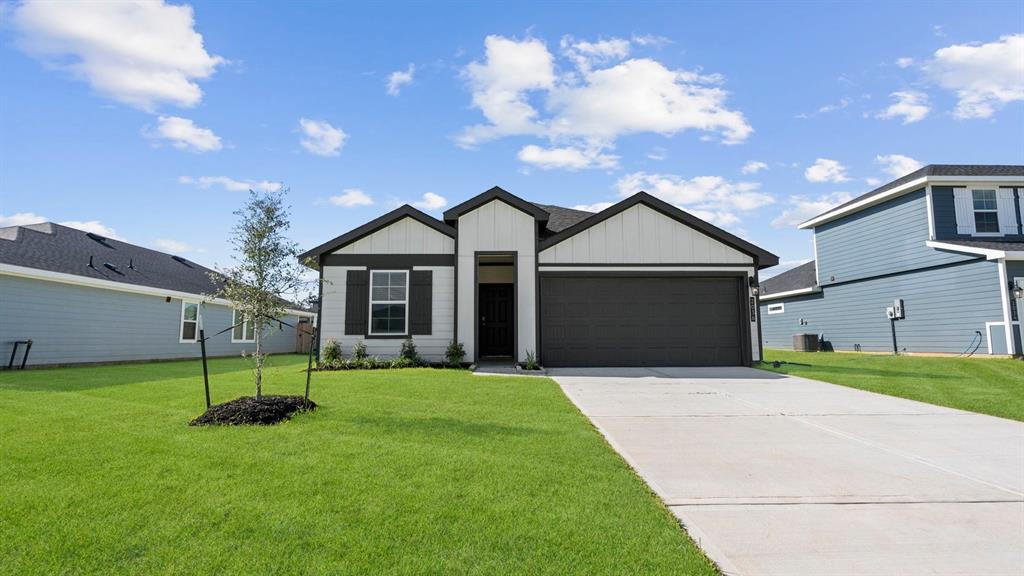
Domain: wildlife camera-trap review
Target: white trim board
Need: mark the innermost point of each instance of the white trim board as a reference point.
(988, 253)
(557, 268)
(988, 333)
(905, 188)
(788, 293)
(1004, 294)
(37, 274)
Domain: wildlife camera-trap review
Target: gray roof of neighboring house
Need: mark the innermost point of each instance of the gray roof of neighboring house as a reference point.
(561, 218)
(58, 248)
(1006, 245)
(938, 170)
(803, 276)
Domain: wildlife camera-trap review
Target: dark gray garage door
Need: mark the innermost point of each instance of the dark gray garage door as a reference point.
(641, 321)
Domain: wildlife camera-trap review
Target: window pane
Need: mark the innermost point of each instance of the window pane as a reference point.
(237, 332)
(188, 331)
(191, 311)
(396, 293)
(379, 293)
(250, 331)
(380, 278)
(984, 199)
(986, 222)
(387, 319)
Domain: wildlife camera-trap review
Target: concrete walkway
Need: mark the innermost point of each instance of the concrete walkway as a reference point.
(779, 475)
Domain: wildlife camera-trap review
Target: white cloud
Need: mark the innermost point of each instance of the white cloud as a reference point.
(398, 78)
(984, 77)
(843, 103)
(183, 134)
(230, 184)
(321, 138)
(803, 208)
(21, 219)
(712, 198)
(595, 207)
(905, 62)
(139, 53)
(897, 165)
(651, 40)
(872, 181)
(431, 201)
(601, 99)
(587, 54)
(826, 170)
(657, 153)
(910, 105)
(568, 158)
(176, 246)
(27, 218)
(753, 167)
(351, 197)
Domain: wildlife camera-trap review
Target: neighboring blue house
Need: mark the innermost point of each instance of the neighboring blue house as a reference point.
(946, 239)
(83, 298)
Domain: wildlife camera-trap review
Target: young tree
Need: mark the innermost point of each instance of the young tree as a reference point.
(266, 271)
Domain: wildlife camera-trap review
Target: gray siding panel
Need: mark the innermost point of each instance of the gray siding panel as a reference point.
(944, 308)
(77, 324)
(945, 216)
(883, 239)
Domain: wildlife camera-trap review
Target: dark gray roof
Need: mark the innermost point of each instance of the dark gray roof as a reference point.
(939, 170)
(57, 248)
(803, 276)
(561, 218)
(1006, 245)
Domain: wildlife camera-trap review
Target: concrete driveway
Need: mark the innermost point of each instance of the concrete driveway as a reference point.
(779, 475)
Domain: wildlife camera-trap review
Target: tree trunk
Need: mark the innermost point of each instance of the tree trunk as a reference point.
(259, 367)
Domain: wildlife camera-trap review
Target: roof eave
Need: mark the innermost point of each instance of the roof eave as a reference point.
(405, 211)
(790, 293)
(495, 193)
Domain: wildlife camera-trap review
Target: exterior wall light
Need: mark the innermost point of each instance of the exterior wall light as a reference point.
(754, 288)
(1017, 292)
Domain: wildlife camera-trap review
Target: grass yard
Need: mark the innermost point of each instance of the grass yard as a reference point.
(399, 472)
(988, 386)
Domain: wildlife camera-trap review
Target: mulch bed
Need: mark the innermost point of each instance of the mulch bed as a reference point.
(249, 411)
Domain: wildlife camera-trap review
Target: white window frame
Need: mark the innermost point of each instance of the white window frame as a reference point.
(370, 331)
(245, 327)
(974, 211)
(777, 308)
(181, 321)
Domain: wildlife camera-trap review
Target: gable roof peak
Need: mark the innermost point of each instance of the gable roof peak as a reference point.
(495, 193)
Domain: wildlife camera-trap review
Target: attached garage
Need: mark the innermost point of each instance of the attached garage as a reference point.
(643, 319)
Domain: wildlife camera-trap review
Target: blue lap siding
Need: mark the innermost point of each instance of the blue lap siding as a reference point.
(72, 324)
(946, 309)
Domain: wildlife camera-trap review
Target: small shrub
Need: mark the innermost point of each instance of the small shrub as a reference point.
(454, 354)
(359, 351)
(531, 361)
(402, 362)
(409, 352)
(332, 352)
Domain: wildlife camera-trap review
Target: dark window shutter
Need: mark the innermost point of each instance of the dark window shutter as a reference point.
(421, 301)
(357, 302)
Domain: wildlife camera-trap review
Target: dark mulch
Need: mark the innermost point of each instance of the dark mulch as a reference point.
(247, 410)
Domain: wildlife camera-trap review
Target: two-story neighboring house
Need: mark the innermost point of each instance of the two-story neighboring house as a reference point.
(946, 239)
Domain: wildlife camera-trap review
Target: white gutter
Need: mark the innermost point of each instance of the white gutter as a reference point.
(988, 253)
(74, 279)
(788, 293)
(903, 189)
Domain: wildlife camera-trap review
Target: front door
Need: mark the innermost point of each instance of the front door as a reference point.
(497, 314)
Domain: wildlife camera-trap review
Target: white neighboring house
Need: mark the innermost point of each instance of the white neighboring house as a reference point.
(641, 283)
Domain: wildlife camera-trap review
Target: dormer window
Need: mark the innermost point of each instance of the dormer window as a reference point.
(986, 212)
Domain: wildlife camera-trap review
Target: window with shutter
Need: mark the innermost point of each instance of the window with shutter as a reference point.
(964, 205)
(357, 300)
(1006, 211)
(421, 302)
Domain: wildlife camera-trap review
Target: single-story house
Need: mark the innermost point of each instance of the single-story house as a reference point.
(946, 240)
(641, 283)
(83, 298)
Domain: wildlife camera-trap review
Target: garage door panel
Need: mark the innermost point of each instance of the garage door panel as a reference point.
(640, 321)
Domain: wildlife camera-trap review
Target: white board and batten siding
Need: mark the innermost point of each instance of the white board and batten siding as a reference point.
(641, 235)
(498, 227)
(406, 236)
(431, 347)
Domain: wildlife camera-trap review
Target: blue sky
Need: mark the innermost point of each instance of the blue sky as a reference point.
(148, 121)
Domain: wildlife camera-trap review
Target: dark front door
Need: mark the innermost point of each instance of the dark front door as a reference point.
(497, 314)
(642, 321)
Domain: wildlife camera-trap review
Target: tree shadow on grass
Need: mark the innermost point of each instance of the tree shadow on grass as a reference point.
(81, 378)
(442, 425)
(816, 369)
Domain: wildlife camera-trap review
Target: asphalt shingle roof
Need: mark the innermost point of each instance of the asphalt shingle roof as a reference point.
(939, 170)
(58, 248)
(803, 276)
(561, 218)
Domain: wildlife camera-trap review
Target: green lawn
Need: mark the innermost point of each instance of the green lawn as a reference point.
(988, 386)
(399, 472)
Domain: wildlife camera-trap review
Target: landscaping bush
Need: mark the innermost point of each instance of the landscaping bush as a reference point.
(332, 351)
(359, 351)
(531, 361)
(409, 352)
(455, 354)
